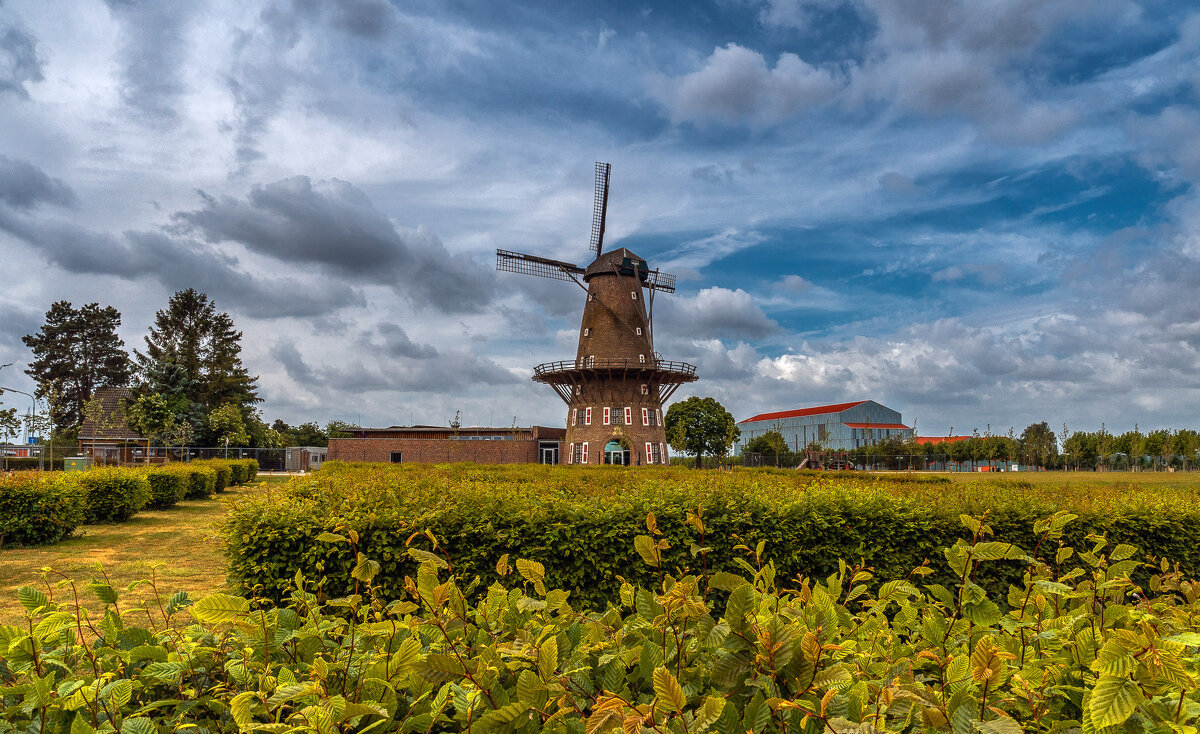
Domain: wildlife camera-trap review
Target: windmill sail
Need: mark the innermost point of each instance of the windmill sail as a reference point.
(600, 207)
(519, 262)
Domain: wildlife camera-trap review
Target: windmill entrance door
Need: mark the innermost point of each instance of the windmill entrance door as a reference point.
(615, 453)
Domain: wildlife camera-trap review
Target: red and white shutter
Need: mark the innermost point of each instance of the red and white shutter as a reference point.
(645, 416)
(662, 453)
(571, 455)
(574, 415)
(628, 415)
(607, 415)
(585, 452)
(587, 417)
(649, 453)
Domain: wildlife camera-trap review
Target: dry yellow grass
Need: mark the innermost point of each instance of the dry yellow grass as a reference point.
(178, 545)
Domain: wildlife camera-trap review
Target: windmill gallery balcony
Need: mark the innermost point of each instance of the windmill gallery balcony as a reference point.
(565, 376)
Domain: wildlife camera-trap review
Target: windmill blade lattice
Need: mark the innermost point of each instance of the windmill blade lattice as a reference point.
(519, 262)
(600, 207)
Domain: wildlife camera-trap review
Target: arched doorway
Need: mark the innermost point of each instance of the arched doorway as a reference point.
(615, 453)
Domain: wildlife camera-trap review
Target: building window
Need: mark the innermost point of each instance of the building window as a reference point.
(587, 332)
(645, 415)
(574, 416)
(639, 331)
(607, 416)
(397, 457)
(653, 453)
(587, 416)
(628, 415)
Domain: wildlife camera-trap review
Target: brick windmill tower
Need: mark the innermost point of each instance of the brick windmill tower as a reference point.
(616, 386)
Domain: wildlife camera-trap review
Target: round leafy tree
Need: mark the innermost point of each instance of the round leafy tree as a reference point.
(701, 426)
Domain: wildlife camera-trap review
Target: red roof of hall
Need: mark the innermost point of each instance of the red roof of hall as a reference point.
(819, 410)
(877, 425)
(940, 439)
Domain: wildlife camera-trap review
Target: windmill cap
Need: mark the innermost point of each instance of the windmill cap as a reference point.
(621, 261)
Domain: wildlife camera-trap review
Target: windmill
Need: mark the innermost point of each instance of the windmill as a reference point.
(616, 385)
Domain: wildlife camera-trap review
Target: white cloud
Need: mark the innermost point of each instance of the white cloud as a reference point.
(735, 86)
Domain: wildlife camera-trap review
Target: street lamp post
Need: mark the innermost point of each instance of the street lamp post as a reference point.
(33, 403)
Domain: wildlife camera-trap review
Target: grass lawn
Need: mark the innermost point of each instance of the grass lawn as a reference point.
(182, 539)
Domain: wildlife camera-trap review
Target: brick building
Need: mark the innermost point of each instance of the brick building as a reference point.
(440, 444)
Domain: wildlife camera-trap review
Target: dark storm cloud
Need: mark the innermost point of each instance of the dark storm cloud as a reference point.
(334, 225)
(153, 47)
(24, 186)
(19, 62)
(394, 362)
(15, 322)
(176, 264)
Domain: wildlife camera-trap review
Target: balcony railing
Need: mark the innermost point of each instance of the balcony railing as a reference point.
(596, 363)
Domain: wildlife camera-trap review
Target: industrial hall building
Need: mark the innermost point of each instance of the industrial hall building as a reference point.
(443, 444)
(839, 427)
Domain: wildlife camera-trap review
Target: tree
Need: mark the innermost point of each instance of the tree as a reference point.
(701, 426)
(771, 443)
(193, 352)
(305, 434)
(10, 425)
(1039, 445)
(77, 350)
(228, 427)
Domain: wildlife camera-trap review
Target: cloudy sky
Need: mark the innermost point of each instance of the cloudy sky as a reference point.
(977, 213)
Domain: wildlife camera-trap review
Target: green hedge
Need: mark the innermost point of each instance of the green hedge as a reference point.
(113, 495)
(25, 463)
(36, 509)
(223, 469)
(581, 522)
(168, 485)
(251, 469)
(202, 481)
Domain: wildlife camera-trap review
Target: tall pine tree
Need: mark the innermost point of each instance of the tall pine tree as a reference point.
(194, 356)
(75, 352)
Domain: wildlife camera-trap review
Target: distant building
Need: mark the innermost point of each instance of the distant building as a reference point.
(941, 439)
(442, 444)
(304, 458)
(839, 427)
(106, 437)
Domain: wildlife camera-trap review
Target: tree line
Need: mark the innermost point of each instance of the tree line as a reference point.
(1037, 446)
(189, 384)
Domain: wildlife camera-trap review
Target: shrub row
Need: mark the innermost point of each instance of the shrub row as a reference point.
(1084, 651)
(38, 508)
(581, 522)
(25, 463)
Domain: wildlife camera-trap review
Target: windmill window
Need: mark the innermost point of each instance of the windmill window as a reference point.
(642, 358)
(645, 391)
(571, 454)
(587, 416)
(585, 453)
(591, 296)
(607, 416)
(662, 453)
(639, 331)
(589, 360)
(633, 295)
(645, 415)
(628, 415)
(574, 416)
(587, 332)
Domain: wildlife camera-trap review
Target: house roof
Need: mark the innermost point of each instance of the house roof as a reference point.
(818, 410)
(111, 426)
(940, 439)
(877, 425)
